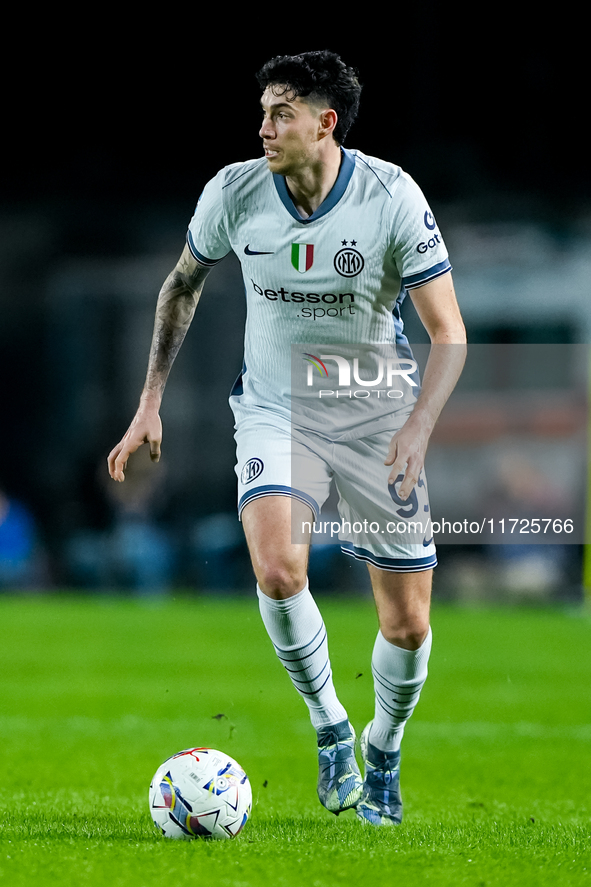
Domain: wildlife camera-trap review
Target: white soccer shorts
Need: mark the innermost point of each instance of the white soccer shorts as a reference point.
(374, 524)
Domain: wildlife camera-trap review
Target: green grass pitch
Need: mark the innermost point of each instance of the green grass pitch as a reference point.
(95, 694)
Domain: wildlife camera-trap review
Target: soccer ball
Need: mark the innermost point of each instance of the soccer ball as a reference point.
(200, 793)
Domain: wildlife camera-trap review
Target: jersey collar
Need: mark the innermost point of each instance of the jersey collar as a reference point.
(335, 194)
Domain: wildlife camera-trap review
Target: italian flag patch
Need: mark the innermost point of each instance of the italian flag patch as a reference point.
(302, 256)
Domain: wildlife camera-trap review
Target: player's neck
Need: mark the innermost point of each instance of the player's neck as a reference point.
(311, 185)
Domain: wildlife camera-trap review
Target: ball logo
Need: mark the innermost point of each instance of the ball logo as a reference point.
(348, 262)
(251, 470)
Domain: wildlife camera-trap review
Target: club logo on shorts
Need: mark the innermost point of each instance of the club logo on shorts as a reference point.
(251, 470)
(348, 261)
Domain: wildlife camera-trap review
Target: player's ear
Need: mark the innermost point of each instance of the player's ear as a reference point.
(328, 122)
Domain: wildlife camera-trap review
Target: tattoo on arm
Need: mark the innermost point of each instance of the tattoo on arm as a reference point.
(176, 306)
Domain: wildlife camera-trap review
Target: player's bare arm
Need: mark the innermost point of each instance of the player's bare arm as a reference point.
(438, 310)
(175, 308)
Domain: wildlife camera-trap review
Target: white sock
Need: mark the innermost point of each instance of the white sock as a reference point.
(398, 676)
(297, 631)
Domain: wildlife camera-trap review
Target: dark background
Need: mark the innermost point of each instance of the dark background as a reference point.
(114, 122)
(475, 102)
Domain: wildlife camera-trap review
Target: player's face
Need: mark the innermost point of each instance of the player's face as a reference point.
(289, 132)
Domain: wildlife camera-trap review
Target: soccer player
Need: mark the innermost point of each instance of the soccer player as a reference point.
(330, 241)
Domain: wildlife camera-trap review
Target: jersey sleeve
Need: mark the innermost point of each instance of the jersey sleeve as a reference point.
(207, 236)
(417, 245)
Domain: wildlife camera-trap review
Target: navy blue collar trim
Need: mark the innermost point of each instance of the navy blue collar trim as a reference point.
(335, 194)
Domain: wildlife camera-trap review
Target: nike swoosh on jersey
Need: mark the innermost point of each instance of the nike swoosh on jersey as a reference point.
(427, 542)
(254, 252)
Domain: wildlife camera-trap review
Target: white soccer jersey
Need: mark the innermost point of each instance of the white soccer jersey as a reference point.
(336, 278)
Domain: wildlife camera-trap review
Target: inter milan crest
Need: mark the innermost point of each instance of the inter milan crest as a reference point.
(348, 261)
(302, 256)
(251, 470)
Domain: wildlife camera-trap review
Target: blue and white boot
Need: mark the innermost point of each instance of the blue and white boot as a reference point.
(339, 778)
(380, 803)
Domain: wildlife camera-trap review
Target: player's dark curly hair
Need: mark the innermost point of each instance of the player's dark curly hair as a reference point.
(318, 75)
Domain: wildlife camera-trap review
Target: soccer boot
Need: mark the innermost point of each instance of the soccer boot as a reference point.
(380, 803)
(339, 778)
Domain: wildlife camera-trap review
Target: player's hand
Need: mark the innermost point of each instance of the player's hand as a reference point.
(146, 427)
(406, 455)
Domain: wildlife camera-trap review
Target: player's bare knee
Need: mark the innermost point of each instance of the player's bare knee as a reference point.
(278, 581)
(409, 636)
